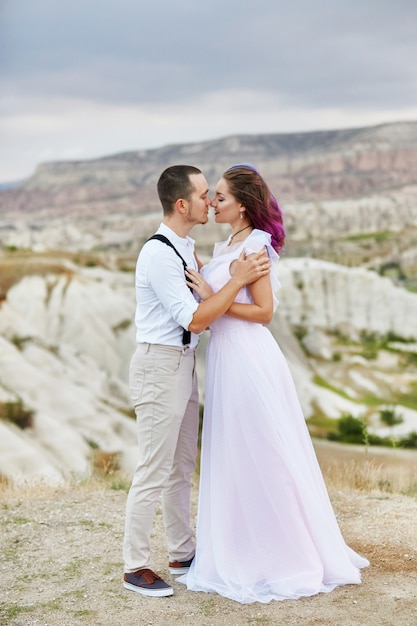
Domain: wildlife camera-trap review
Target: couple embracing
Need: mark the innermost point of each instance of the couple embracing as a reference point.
(266, 529)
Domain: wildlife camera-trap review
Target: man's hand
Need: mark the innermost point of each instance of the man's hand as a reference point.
(248, 270)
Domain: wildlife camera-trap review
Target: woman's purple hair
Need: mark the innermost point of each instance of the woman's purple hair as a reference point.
(249, 188)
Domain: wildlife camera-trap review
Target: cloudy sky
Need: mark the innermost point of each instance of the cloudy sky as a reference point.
(87, 78)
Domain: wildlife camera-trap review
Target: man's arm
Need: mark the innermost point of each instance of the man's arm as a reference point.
(247, 271)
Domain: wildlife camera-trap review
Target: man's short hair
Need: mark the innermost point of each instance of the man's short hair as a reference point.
(175, 183)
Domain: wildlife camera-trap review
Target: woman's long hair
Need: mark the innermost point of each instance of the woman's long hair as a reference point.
(249, 188)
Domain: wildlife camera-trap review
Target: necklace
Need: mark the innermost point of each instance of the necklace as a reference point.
(239, 231)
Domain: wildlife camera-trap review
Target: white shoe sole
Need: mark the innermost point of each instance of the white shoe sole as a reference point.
(156, 593)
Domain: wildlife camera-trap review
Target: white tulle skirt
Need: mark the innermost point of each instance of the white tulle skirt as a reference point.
(266, 529)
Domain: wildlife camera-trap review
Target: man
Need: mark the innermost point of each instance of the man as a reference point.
(163, 381)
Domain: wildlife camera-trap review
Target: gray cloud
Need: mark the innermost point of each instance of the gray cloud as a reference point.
(133, 51)
(184, 70)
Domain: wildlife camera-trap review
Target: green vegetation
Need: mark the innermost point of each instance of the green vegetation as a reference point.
(371, 343)
(368, 346)
(319, 424)
(19, 342)
(300, 332)
(408, 398)
(350, 429)
(321, 382)
(127, 268)
(390, 417)
(207, 606)
(392, 269)
(119, 482)
(122, 325)
(17, 609)
(409, 441)
(378, 236)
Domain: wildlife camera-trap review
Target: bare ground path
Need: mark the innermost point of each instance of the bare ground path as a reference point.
(60, 565)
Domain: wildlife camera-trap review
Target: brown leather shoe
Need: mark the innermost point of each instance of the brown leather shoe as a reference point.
(146, 582)
(180, 567)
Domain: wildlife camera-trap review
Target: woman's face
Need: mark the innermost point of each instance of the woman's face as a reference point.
(226, 208)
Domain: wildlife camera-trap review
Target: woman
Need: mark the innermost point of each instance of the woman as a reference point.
(266, 528)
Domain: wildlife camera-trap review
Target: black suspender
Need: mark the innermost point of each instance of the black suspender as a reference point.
(186, 335)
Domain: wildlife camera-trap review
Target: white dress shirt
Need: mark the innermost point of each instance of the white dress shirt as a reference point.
(164, 303)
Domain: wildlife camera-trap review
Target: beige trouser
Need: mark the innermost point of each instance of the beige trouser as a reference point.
(163, 386)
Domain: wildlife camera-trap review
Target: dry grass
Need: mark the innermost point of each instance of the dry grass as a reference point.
(21, 263)
(367, 469)
(346, 468)
(13, 271)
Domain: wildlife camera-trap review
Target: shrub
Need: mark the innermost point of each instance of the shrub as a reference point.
(17, 414)
(353, 430)
(410, 441)
(350, 430)
(390, 417)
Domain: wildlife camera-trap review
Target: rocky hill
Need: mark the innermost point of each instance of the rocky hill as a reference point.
(299, 167)
(335, 187)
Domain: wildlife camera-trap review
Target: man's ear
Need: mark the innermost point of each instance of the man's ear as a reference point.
(181, 206)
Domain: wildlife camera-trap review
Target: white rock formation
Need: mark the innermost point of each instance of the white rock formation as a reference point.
(66, 342)
(318, 294)
(75, 338)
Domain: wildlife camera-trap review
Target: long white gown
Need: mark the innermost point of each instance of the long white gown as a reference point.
(266, 529)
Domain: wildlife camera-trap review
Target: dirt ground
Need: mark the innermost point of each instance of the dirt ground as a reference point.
(61, 565)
